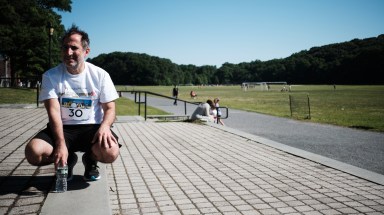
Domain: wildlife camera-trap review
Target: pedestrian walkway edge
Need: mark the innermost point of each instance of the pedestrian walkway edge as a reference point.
(353, 170)
(82, 197)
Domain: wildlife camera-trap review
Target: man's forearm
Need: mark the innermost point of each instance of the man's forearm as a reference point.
(109, 114)
(53, 109)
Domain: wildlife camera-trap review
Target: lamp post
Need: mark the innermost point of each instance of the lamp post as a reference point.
(51, 29)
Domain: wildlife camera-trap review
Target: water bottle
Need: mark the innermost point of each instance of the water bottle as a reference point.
(61, 179)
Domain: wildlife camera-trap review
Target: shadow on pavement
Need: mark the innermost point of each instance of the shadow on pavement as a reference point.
(25, 185)
(32, 185)
(77, 183)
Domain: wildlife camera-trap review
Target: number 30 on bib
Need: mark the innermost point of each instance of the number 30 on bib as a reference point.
(75, 109)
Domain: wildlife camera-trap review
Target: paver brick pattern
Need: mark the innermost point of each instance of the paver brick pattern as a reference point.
(23, 188)
(186, 168)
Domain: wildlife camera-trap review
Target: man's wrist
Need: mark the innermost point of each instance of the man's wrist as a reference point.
(105, 125)
(60, 142)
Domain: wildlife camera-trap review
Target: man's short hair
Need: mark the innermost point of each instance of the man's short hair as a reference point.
(75, 30)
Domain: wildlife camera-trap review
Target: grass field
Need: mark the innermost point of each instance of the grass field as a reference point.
(28, 96)
(350, 106)
(17, 96)
(126, 107)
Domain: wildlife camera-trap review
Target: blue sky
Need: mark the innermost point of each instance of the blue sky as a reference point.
(212, 32)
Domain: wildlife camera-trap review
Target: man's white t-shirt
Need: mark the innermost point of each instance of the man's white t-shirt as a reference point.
(80, 95)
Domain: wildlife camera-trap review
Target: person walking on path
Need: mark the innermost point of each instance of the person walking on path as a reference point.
(79, 99)
(217, 105)
(175, 94)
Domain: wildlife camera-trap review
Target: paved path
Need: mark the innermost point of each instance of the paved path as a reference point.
(23, 188)
(188, 168)
(184, 168)
(362, 149)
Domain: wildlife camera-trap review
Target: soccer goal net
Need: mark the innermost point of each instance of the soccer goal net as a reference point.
(266, 86)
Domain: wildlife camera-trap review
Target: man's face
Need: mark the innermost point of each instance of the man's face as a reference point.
(73, 53)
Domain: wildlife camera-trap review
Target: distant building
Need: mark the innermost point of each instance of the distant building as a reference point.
(5, 67)
(5, 71)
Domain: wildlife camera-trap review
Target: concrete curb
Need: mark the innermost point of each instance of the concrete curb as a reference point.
(82, 197)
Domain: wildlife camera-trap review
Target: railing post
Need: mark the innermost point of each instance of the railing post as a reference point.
(139, 102)
(145, 105)
(290, 104)
(309, 107)
(37, 94)
(185, 108)
(217, 115)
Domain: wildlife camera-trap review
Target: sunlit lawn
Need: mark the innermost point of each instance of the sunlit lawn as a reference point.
(127, 107)
(28, 96)
(17, 96)
(350, 106)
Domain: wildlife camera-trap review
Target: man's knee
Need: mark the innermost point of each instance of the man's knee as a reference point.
(110, 157)
(106, 155)
(37, 152)
(31, 153)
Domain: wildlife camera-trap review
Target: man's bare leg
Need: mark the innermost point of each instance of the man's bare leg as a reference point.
(38, 152)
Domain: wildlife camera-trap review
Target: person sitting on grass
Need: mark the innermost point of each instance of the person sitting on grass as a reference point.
(203, 112)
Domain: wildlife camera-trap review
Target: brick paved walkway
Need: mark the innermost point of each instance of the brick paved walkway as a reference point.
(23, 188)
(183, 168)
(186, 168)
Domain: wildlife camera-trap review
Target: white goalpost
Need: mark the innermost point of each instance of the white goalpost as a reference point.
(266, 86)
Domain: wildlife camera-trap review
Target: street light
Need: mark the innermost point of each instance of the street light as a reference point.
(51, 29)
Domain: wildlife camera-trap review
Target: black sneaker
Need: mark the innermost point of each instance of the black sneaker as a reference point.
(91, 172)
(72, 160)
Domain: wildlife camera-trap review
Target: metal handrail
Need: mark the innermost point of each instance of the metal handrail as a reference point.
(138, 101)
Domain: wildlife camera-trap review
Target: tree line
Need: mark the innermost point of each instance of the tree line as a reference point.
(359, 61)
(26, 42)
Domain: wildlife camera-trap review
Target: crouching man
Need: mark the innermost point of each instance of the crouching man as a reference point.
(79, 99)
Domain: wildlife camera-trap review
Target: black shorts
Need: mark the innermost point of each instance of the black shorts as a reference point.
(77, 137)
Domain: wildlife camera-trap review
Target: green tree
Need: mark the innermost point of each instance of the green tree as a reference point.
(225, 73)
(24, 33)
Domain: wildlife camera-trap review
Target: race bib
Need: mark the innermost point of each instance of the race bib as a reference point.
(75, 108)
